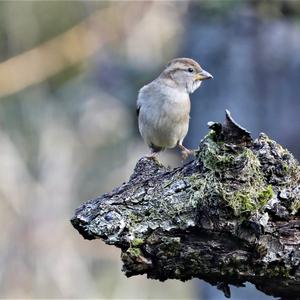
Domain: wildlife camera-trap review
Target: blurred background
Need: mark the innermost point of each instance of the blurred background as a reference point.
(69, 76)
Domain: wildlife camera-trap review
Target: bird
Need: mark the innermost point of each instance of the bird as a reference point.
(163, 105)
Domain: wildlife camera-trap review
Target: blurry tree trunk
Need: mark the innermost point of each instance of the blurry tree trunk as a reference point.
(227, 217)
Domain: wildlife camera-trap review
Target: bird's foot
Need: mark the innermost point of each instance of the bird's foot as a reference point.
(185, 152)
(153, 156)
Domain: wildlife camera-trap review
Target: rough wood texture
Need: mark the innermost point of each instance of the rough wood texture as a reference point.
(229, 216)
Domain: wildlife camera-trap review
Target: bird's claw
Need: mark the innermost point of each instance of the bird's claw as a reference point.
(185, 153)
(153, 156)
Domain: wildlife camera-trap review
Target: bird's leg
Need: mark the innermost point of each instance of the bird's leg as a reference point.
(153, 155)
(185, 152)
(154, 152)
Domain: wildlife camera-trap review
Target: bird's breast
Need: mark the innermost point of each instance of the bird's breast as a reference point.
(177, 109)
(164, 116)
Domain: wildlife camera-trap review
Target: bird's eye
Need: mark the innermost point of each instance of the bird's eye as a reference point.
(191, 70)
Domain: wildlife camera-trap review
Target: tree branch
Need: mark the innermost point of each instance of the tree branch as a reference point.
(229, 216)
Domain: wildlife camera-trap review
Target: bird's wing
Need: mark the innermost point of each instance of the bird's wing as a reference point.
(139, 101)
(143, 97)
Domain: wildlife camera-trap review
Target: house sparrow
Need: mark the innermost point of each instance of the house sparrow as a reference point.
(163, 105)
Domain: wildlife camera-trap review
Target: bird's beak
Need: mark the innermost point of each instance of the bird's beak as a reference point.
(203, 75)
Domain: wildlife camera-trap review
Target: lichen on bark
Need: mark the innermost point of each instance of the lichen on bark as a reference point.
(232, 175)
(229, 216)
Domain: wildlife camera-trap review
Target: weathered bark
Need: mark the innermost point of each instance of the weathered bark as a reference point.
(229, 216)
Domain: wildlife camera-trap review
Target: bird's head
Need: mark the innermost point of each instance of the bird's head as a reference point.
(186, 73)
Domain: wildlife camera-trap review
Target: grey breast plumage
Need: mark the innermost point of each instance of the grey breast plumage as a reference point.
(163, 114)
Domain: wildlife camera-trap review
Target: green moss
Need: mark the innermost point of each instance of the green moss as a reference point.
(134, 252)
(212, 154)
(133, 218)
(286, 172)
(241, 202)
(230, 175)
(265, 195)
(211, 135)
(295, 206)
(137, 242)
(250, 200)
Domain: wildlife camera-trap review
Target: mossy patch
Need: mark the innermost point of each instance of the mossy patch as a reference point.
(133, 218)
(295, 206)
(134, 251)
(281, 170)
(266, 195)
(137, 242)
(231, 175)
